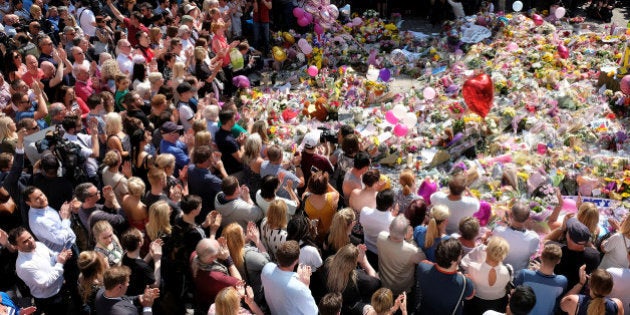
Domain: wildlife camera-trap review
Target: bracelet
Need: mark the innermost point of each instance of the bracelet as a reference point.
(229, 262)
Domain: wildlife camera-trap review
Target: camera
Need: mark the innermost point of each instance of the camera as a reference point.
(327, 135)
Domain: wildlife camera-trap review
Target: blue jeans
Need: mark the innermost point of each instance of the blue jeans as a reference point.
(261, 37)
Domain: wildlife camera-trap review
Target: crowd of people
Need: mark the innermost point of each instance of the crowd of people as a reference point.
(134, 182)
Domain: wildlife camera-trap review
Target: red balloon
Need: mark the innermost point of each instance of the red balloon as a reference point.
(625, 84)
(563, 51)
(478, 93)
(538, 20)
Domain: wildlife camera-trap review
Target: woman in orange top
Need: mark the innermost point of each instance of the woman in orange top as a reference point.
(320, 203)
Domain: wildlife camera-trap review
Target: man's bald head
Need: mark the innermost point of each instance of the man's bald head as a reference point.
(207, 250)
(48, 68)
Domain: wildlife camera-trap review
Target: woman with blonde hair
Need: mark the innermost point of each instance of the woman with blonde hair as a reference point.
(117, 139)
(407, 192)
(340, 233)
(588, 214)
(8, 135)
(274, 226)
(203, 137)
(427, 237)
(617, 247)
(248, 259)
(596, 303)
(356, 285)
(109, 71)
(166, 162)
(383, 303)
(179, 73)
(92, 267)
(252, 161)
(260, 127)
(228, 302)
(135, 210)
(490, 278)
(159, 225)
(112, 175)
(107, 243)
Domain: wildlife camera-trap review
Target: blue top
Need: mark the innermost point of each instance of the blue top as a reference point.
(203, 183)
(442, 298)
(584, 301)
(548, 289)
(31, 114)
(419, 234)
(179, 150)
(12, 309)
(267, 168)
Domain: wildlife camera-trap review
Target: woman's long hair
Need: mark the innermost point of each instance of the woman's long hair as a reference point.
(338, 234)
(92, 266)
(342, 268)
(227, 302)
(158, 220)
(5, 131)
(233, 234)
(439, 213)
(601, 285)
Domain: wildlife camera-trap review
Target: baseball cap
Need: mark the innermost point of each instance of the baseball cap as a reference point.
(187, 18)
(188, 8)
(170, 127)
(311, 140)
(184, 87)
(578, 232)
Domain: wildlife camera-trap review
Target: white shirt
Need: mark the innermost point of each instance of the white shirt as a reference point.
(522, 245)
(616, 252)
(85, 142)
(459, 209)
(621, 287)
(285, 293)
(264, 204)
(125, 64)
(50, 229)
(40, 271)
(309, 256)
(86, 19)
(479, 274)
(374, 222)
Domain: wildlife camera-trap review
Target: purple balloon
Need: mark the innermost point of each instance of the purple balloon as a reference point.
(385, 75)
(241, 81)
(309, 17)
(427, 188)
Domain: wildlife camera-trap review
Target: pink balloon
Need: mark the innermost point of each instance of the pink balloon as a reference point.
(428, 93)
(303, 21)
(427, 188)
(538, 20)
(391, 117)
(401, 130)
(312, 71)
(512, 46)
(241, 81)
(308, 17)
(484, 213)
(357, 21)
(563, 51)
(569, 206)
(298, 12)
(319, 30)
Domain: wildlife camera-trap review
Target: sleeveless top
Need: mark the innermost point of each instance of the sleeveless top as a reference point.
(323, 215)
(585, 300)
(114, 256)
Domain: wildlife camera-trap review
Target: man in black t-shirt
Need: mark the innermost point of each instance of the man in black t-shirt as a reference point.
(576, 253)
(230, 147)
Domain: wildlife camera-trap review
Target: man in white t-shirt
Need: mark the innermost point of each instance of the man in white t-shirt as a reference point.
(459, 205)
(375, 221)
(621, 287)
(86, 18)
(524, 243)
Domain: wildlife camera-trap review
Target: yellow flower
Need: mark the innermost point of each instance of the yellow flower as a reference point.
(273, 130)
(523, 175)
(391, 27)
